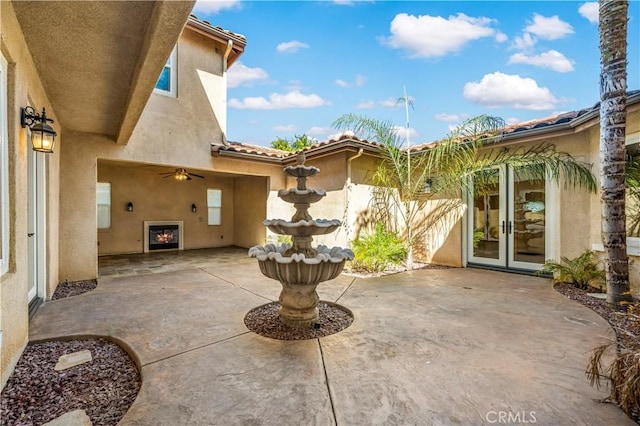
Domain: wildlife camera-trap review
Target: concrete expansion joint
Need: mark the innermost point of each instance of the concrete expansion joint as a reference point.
(193, 349)
(353, 280)
(235, 285)
(326, 380)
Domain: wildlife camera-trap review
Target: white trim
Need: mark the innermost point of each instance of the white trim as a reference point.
(4, 170)
(633, 246)
(148, 223)
(172, 63)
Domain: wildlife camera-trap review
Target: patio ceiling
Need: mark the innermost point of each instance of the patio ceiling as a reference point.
(99, 60)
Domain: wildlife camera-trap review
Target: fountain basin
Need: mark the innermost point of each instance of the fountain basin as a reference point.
(301, 171)
(299, 276)
(302, 228)
(298, 268)
(294, 195)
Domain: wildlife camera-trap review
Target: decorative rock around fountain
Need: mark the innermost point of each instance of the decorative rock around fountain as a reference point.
(300, 267)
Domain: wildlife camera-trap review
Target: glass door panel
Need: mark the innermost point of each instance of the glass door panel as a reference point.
(487, 219)
(527, 222)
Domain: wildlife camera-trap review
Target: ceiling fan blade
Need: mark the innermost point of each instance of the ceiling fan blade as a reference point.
(193, 174)
(164, 177)
(188, 177)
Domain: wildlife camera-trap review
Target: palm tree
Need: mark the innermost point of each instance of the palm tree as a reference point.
(613, 88)
(447, 167)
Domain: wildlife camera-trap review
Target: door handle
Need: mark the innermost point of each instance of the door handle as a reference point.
(502, 226)
(31, 234)
(510, 227)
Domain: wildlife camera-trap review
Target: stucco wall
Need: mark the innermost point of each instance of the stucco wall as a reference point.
(250, 210)
(24, 88)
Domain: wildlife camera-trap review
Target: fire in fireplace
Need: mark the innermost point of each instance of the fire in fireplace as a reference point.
(164, 237)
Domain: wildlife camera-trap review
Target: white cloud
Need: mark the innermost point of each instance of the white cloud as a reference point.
(591, 11)
(549, 28)
(214, 6)
(501, 37)
(498, 89)
(366, 105)
(320, 131)
(291, 46)
(389, 103)
(524, 42)
(285, 128)
(359, 81)
(293, 85)
(512, 120)
(404, 133)
(451, 118)
(427, 36)
(552, 59)
(293, 99)
(241, 74)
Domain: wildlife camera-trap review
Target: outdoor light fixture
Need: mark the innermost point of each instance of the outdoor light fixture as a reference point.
(129, 206)
(43, 137)
(194, 208)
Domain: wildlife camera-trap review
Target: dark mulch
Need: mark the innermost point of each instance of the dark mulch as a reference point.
(68, 289)
(264, 321)
(105, 387)
(627, 327)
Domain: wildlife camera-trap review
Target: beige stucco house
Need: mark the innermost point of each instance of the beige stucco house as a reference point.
(143, 163)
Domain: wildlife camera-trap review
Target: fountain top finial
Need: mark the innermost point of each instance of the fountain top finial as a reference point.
(300, 158)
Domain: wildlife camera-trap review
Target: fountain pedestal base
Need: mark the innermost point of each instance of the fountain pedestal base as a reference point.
(298, 305)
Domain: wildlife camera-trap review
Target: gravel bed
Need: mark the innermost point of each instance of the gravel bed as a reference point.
(68, 289)
(264, 321)
(104, 388)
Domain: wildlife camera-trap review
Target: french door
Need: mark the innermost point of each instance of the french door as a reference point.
(508, 221)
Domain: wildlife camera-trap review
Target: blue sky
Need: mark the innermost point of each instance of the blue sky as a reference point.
(309, 62)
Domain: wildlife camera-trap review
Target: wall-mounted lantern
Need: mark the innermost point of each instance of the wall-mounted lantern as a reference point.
(43, 137)
(129, 206)
(194, 208)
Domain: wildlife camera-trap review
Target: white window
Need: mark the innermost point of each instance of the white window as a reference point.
(167, 82)
(4, 170)
(214, 206)
(103, 199)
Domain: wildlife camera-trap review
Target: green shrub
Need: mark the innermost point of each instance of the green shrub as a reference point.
(376, 252)
(581, 271)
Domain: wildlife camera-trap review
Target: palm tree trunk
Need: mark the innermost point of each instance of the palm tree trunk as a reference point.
(613, 88)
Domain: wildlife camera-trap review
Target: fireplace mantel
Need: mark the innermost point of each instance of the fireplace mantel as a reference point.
(155, 225)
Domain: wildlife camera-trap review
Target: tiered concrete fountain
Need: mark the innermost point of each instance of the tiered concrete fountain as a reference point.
(299, 267)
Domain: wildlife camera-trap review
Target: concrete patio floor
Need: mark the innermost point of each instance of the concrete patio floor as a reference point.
(427, 347)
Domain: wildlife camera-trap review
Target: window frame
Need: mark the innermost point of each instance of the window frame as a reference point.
(98, 206)
(172, 64)
(4, 170)
(633, 243)
(210, 207)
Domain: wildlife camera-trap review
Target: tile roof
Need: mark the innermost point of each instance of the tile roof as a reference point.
(349, 141)
(215, 30)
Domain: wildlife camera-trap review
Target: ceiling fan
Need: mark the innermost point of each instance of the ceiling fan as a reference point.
(181, 174)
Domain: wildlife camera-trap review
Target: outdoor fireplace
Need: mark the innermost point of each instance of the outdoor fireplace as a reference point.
(163, 236)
